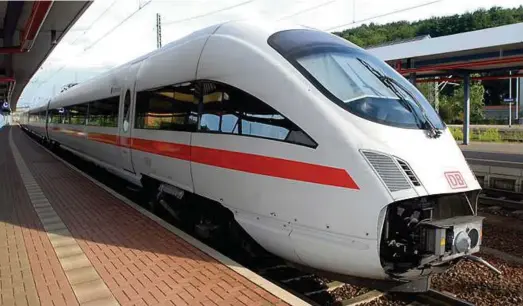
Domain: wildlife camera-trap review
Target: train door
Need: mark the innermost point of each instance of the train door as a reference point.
(126, 119)
(124, 130)
(48, 113)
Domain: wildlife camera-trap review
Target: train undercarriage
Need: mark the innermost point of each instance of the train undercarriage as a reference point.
(207, 219)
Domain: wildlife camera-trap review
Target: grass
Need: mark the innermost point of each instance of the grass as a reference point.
(488, 135)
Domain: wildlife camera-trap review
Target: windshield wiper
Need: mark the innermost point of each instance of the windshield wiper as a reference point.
(393, 85)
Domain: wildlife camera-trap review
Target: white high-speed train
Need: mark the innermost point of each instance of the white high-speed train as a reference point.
(323, 154)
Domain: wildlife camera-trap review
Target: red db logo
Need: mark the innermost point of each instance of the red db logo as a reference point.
(455, 180)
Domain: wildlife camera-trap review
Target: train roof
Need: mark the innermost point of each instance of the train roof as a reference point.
(253, 30)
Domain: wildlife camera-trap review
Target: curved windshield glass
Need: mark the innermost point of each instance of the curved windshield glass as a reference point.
(356, 80)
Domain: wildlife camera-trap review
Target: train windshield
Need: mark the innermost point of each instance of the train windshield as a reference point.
(356, 80)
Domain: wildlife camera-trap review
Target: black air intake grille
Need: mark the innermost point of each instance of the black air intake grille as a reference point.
(409, 172)
(388, 170)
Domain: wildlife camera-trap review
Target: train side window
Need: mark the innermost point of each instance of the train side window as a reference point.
(172, 108)
(220, 113)
(43, 117)
(104, 112)
(54, 116)
(76, 114)
(232, 111)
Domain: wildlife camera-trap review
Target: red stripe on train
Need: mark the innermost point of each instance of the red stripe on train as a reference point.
(245, 162)
(271, 166)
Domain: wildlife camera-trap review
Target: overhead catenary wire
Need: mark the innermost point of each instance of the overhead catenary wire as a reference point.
(307, 10)
(383, 15)
(95, 21)
(86, 30)
(99, 39)
(168, 23)
(117, 26)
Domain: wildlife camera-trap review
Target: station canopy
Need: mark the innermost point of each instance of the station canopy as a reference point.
(30, 32)
(494, 50)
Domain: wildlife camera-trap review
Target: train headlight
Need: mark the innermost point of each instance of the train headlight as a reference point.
(462, 242)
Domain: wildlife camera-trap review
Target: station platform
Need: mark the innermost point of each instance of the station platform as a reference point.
(64, 240)
(509, 155)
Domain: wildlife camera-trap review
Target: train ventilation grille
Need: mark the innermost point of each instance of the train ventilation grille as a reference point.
(388, 170)
(409, 173)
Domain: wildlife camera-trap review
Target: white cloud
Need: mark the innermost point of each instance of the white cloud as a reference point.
(137, 35)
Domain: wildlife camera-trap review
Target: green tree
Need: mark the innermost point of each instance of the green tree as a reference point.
(427, 89)
(451, 107)
(373, 34)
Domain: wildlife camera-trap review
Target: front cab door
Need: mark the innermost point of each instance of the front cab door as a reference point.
(124, 131)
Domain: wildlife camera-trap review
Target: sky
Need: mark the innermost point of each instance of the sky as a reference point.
(112, 32)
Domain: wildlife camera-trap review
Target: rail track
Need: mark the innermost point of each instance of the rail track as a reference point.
(503, 198)
(313, 289)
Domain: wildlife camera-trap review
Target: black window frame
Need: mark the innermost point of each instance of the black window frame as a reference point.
(202, 106)
(197, 89)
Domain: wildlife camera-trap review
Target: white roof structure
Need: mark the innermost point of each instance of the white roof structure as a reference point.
(31, 31)
(482, 50)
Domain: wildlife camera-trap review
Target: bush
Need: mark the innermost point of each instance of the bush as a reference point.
(457, 133)
(489, 135)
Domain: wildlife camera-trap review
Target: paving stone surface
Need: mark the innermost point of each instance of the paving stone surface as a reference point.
(78, 239)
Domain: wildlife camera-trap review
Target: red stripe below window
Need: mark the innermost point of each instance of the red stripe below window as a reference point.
(245, 162)
(275, 167)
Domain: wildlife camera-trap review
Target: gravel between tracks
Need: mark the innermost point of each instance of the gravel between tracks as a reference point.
(386, 300)
(474, 283)
(477, 284)
(503, 232)
(503, 239)
(348, 291)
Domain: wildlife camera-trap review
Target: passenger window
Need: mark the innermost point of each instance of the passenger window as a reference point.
(232, 111)
(104, 112)
(219, 112)
(76, 114)
(54, 116)
(172, 108)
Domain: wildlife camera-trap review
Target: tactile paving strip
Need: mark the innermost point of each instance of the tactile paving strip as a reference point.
(87, 285)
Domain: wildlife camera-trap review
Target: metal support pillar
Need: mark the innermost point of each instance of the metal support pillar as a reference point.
(412, 76)
(466, 109)
(518, 97)
(158, 31)
(436, 96)
(510, 97)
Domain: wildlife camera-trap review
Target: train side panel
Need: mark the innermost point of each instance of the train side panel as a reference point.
(73, 136)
